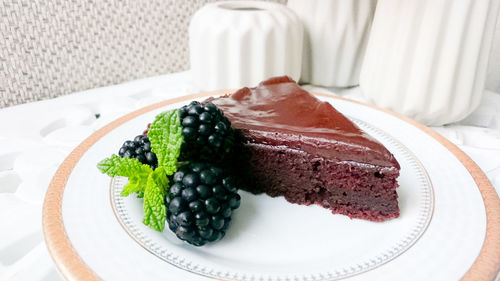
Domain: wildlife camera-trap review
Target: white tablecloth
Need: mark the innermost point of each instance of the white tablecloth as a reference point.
(35, 138)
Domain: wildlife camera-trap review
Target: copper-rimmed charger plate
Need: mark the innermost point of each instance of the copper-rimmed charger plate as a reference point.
(63, 241)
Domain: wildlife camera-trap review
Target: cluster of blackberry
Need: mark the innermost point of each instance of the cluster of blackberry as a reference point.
(200, 203)
(207, 133)
(140, 149)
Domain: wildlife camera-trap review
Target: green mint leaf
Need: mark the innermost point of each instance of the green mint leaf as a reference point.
(135, 184)
(165, 135)
(125, 167)
(136, 172)
(154, 200)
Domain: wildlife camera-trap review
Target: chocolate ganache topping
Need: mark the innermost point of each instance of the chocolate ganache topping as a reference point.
(279, 112)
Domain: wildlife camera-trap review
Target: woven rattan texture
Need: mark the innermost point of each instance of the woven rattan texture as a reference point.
(50, 48)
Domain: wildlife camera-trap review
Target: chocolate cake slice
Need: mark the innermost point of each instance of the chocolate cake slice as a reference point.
(299, 147)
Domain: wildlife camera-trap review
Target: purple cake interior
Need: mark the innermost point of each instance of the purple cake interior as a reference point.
(299, 147)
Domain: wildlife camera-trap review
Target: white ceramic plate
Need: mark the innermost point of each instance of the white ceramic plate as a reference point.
(97, 233)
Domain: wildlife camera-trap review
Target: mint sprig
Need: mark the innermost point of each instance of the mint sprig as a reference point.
(165, 135)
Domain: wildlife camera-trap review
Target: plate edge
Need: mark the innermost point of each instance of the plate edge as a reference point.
(72, 267)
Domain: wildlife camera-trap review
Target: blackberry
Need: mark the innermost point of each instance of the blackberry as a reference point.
(207, 133)
(140, 149)
(200, 203)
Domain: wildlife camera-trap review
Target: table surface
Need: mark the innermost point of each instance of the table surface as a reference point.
(36, 137)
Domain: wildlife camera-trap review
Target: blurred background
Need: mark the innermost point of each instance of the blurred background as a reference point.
(53, 48)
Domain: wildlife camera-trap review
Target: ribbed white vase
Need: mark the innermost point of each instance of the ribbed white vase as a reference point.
(427, 59)
(335, 37)
(240, 43)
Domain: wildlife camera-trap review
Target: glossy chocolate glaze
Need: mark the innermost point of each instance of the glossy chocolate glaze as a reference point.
(279, 112)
